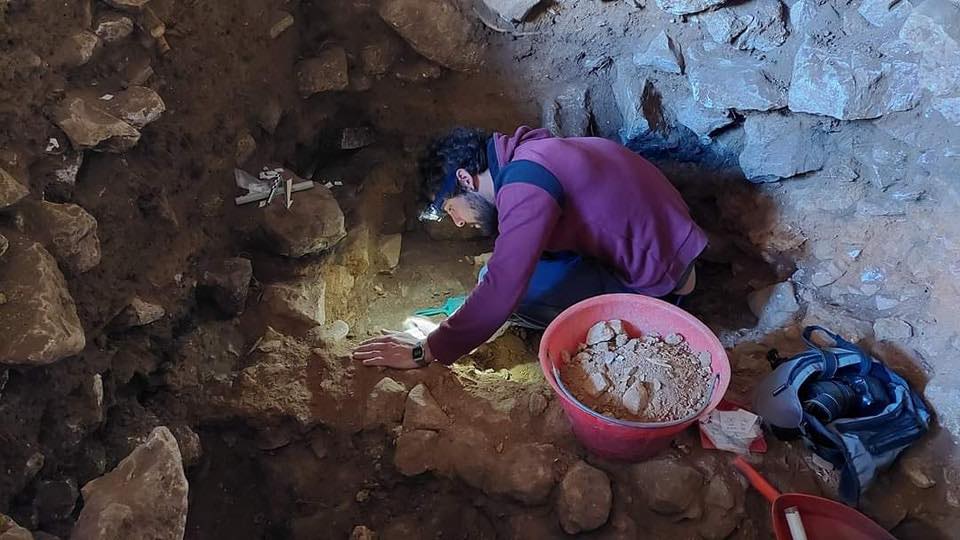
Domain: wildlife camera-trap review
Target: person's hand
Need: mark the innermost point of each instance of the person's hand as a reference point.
(393, 350)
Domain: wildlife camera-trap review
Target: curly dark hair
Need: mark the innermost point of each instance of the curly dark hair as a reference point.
(462, 148)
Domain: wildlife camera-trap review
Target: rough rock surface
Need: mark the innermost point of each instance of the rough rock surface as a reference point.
(415, 449)
(55, 499)
(137, 106)
(775, 306)
(880, 13)
(932, 32)
(585, 499)
(313, 224)
(11, 190)
(668, 484)
(437, 30)
(9, 530)
(526, 473)
(301, 301)
(138, 313)
(145, 496)
(285, 381)
(686, 7)
(76, 50)
(111, 27)
(662, 54)
(843, 81)
(781, 146)
(385, 404)
(422, 411)
(324, 73)
(709, 73)
(90, 127)
(749, 26)
(39, 317)
(67, 230)
(228, 283)
(512, 10)
(388, 251)
(701, 120)
(568, 113)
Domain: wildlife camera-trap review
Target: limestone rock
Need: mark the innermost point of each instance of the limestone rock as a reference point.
(662, 54)
(361, 532)
(880, 13)
(686, 7)
(377, 57)
(388, 251)
(781, 146)
(270, 115)
(11, 190)
(385, 404)
(437, 30)
(917, 472)
(4, 244)
(67, 230)
(189, 443)
(55, 499)
(9, 530)
(325, 73)
(138, 313)
(512, 10)
(884, 161)
(313, 224)
(892, 329)
(57, 170)
(585, 499)
(128, 5)
(422, 411)
(137, 106)
(932, 32)
(281, 21)
(111, 27)
(723, 507)
(701, 120)
(645, 128)
(145, 496)
(39, 318)
(227, 281)
(90, 127)
(416, 452)
(76, 50)
(568, 114)
(301, 301)
(329, 333)
(355, 138)
(526, 473)
(759, 25)
(843, 81)
(246, 146)
(288, 381)
(775, 306)
(710, 73)
(668, 484)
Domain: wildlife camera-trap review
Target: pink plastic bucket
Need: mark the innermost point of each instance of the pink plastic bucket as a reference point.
(608, 437)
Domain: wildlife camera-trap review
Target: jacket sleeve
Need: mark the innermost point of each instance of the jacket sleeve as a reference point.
(528, 215)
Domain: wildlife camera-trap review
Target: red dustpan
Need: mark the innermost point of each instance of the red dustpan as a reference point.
(822, 519)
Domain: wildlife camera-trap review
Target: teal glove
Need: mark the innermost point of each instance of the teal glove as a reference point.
(448, 308)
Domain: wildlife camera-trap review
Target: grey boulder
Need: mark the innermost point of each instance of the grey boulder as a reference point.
(437, 30)
(759, 25)
(662, 54)
(710, 74)
(313, 224)
(67, 231)
(781, 146)
(686, 7)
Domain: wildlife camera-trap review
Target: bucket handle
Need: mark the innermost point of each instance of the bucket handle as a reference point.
(756, 479)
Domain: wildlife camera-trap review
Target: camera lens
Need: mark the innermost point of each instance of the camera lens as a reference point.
(829, 400)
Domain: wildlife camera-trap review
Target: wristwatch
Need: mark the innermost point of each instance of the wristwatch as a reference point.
(419, 357)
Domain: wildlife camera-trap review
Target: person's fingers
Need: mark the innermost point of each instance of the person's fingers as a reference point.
(372, 344)
(364, 355)
(377, 361)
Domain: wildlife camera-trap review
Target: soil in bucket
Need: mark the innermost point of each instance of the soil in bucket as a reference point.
(647, 378)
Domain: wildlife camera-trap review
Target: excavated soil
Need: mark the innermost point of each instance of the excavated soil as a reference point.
(648, 378)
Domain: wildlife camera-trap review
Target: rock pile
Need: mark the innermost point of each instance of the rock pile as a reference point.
(644, 379)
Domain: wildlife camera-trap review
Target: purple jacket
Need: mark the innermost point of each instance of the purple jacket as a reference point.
(613, 205)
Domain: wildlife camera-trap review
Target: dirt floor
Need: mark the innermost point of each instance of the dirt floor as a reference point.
(286, 445)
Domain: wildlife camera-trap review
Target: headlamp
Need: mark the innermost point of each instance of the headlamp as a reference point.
(434, 211)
